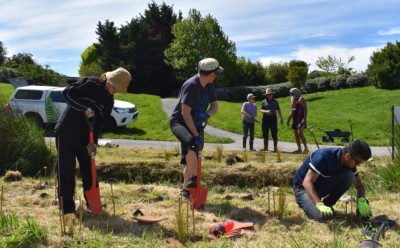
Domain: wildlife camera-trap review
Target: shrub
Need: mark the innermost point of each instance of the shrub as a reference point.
(6, 73)
(239, 93)
(310, 86)
(22, 146)
(323, 83)
(340, 82)
(357, 80)
(384, 69)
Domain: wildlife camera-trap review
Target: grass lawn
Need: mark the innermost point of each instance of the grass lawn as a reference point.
(368, 109)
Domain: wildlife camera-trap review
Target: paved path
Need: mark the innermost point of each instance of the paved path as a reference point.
(169, 104)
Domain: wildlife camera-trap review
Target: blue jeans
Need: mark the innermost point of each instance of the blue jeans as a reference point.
(248, 128)
(331, 189)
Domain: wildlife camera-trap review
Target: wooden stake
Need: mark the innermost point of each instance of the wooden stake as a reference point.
(62, 219)
(80, 214)
(1, 200)
(187, 217)
(193, 217)
(269, 205)
(273, 198)
(113, 199)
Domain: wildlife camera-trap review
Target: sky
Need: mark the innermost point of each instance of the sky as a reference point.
(56, 32)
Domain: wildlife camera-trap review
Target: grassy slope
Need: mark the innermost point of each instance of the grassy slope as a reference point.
(368, 109)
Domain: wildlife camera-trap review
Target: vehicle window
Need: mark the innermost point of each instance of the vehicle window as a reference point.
(56, 96)
(29, 94)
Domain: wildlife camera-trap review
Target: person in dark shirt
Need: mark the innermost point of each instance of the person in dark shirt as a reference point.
(197, 102)
(269, 109)
(88, 99)
(326, 175)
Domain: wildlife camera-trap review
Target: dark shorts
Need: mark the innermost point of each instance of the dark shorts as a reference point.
(295, 123)
(182, 132)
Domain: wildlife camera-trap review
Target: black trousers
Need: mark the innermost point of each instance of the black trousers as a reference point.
(270, 123)
(67, 156)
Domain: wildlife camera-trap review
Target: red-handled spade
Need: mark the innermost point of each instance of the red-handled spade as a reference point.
(93, 194)
(198, 195)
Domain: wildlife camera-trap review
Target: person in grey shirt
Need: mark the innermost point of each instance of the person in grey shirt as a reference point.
(269, 108)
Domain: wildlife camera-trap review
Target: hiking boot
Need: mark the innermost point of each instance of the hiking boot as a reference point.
(185, 193)
(192, 182)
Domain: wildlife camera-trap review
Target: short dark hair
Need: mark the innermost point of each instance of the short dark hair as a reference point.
(359, 149)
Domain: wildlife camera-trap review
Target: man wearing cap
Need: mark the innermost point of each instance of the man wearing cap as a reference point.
(88, 99)
(326, 175)
(249, 113)
(197, 102)
(269, 108)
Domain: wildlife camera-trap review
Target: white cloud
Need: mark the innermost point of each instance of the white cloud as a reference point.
(311, 55)
(56, 32)
(392, 31)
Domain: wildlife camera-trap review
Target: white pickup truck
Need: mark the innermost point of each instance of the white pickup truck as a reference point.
(44, 105)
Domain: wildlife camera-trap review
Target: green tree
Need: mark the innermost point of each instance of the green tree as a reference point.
(19, 59)
(384, 68)
(144, 41)
(3, 53)
(333, 65)
(108, 48)
(250, 73)
(298, 71)
(197, 38)
(277, 72)
(90, 65)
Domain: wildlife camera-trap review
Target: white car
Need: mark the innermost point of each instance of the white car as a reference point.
(45, 104)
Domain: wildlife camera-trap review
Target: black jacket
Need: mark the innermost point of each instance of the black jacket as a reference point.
(85, 93)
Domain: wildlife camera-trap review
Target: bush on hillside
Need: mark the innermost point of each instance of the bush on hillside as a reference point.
(340, 82)
(310, 86)
(357, 80)
(384, 68)
(239, 93)
(22, 146)
(6, 73)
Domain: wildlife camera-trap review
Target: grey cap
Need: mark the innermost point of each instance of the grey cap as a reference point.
(210, 64)
(295, 91)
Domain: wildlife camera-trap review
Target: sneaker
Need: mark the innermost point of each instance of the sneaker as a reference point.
(252, 149)
(185, 193)
(275, 149)
(244, 149)
(297, 152)
(192, 182)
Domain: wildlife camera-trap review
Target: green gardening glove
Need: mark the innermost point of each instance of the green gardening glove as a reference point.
(363, 207)
(325, 210)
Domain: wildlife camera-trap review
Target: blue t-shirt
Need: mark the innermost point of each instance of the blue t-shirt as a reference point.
(251, 109)
(197, 97)
(325, 162)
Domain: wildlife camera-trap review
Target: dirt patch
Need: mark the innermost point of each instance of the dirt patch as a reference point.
(241, 175)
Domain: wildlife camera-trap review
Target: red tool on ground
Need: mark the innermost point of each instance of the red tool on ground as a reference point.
(93, 194)
(198, 195)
